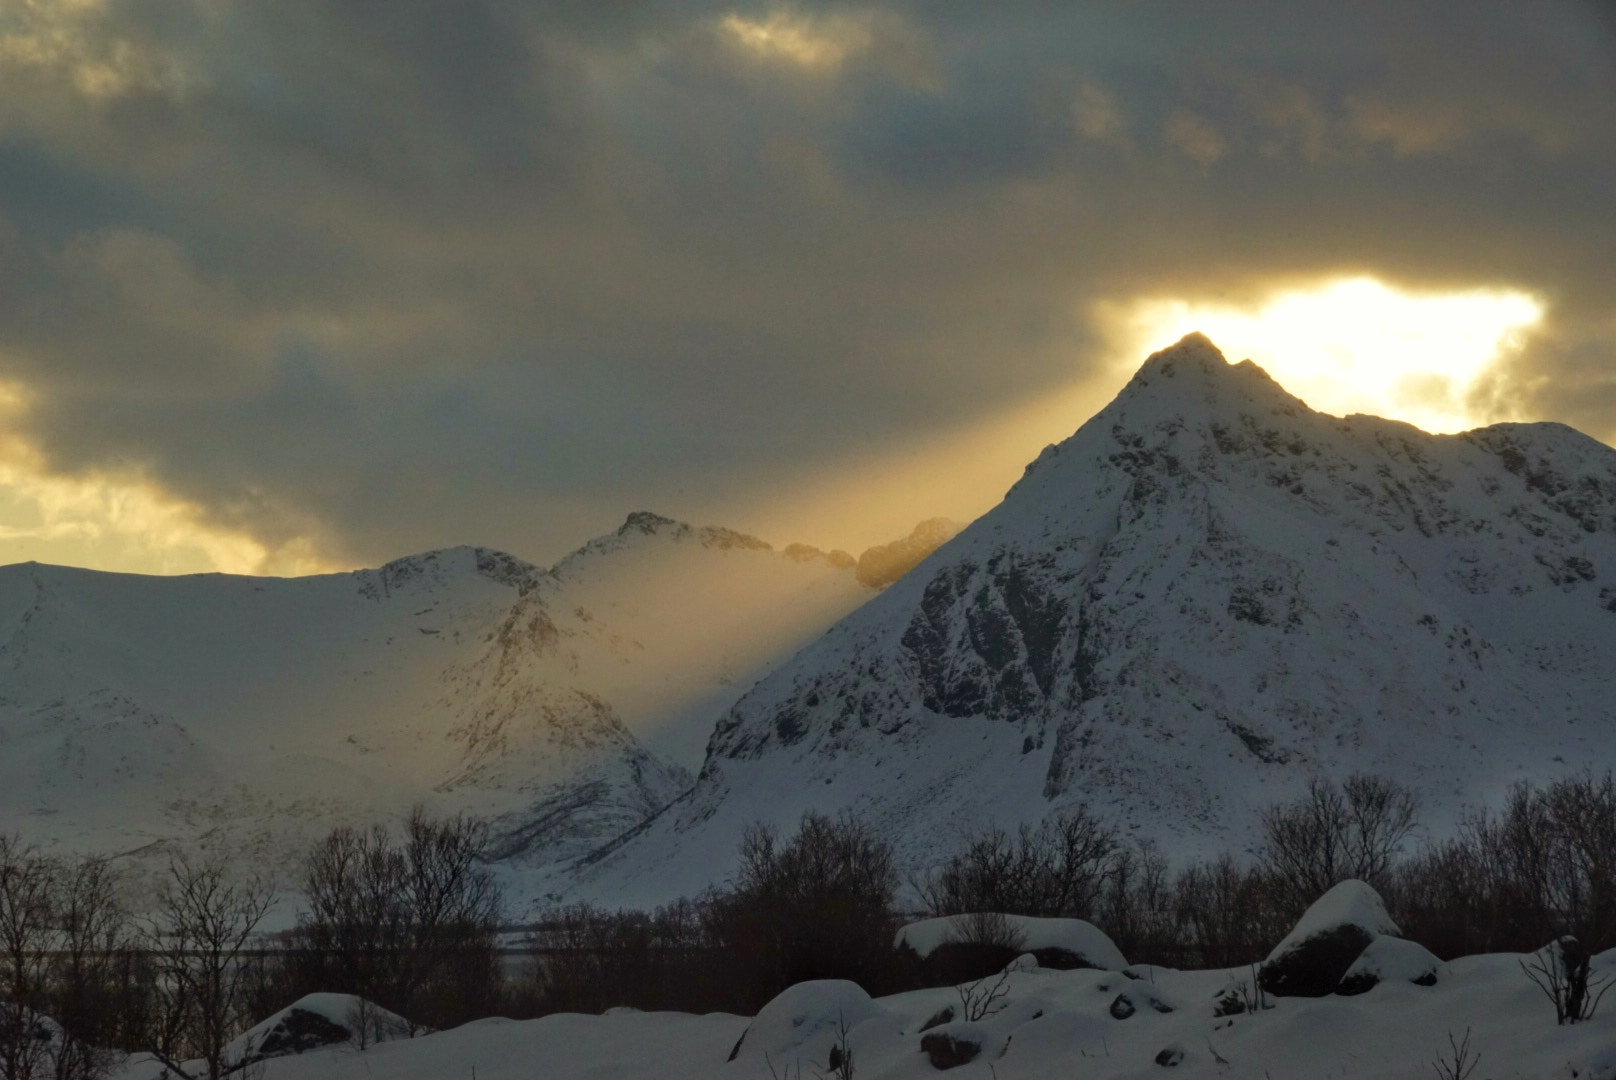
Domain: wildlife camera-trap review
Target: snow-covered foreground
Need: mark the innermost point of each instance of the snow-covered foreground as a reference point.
(1050, 1024)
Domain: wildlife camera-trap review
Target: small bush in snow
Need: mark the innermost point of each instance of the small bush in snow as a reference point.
(1561, 971)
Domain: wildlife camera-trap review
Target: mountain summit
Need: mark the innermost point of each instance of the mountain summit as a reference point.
(1204, 596)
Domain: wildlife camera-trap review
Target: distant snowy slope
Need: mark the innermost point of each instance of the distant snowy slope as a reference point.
(253, 711)
(1204, 595)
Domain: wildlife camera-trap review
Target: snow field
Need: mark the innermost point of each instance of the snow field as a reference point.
(1052, 1024)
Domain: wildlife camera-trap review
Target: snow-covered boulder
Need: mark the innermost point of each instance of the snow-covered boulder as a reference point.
(314, 1021)
(961, 1041)
(806, 1022)
(1390, 959)
(952, 949)
(1330, 935)
(956, 1045)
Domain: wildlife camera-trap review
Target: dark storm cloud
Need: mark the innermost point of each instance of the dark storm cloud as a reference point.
(403, 274)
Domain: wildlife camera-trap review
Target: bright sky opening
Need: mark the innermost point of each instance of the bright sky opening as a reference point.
(1352, 345)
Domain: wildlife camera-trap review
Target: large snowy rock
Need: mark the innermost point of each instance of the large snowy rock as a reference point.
(1390, 959)
(949, 947)
(1329, 937)
(318, 1020)
(808, 1025)
(1207, 594)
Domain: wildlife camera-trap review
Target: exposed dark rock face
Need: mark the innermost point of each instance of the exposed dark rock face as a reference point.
(300, 1031)
(1314, 968)
(948, 1052)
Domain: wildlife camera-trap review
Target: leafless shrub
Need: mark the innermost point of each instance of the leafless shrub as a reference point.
(1459, 1062)
(984, 997)
(1137, 907)
(841, 1055)
(1226, 914)
(1562, 971)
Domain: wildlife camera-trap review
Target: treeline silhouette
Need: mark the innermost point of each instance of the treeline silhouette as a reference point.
(410, 920)
(824, 903)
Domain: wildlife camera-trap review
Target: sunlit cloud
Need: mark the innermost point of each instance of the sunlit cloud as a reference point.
(1195, 136)
(820, 44)
(117, 519)
(59, 38)
(1354, 345)
(1097, 114)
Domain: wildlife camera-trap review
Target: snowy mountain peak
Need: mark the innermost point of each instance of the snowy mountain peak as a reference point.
(1186, 403)
(644, 521)
(1193, 379)
(446, 565)
(1205, 594)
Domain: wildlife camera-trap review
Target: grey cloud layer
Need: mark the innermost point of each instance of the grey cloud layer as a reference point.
(401, 274)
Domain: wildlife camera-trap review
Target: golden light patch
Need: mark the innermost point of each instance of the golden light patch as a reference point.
(813, 44)
(958, 473)
(58, 38)
(117, 519)
(1353, 345)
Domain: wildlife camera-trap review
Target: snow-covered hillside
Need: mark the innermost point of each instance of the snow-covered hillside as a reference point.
(1206, 594)
(566, 704)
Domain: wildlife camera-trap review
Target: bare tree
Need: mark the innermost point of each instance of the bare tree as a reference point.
(1225, 913)
(1460, 1060)
(455, 905)
(92, 931)
(409, 924)
(354, 934)
(27, 938)
(1138, 909)
(1061, 867)
(204, 925)
(982, 998)
(1543, 866)
(818, 906)
(60, 924)
(1333, 833)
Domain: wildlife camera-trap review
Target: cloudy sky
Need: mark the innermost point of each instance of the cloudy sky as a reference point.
(292, 284)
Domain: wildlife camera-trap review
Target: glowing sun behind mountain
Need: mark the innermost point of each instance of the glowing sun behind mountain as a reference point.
(1355, 345)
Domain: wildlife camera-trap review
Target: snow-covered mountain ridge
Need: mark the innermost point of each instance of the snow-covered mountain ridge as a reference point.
(1204, 595)
(251, 712)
